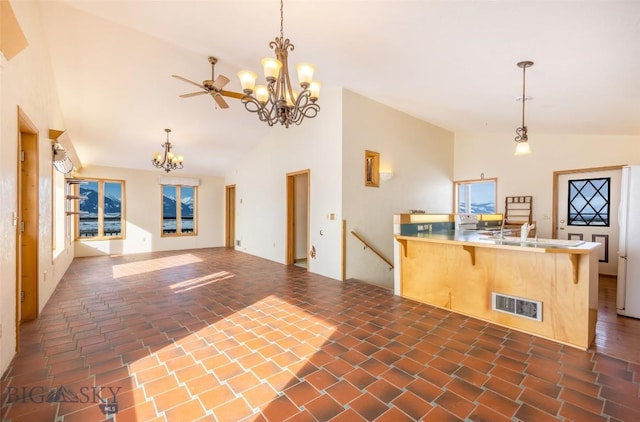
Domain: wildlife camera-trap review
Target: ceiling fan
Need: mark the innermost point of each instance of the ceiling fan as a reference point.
(213, 86)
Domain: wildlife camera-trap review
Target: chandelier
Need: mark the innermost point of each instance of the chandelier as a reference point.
(167, 161)
(522, 140)
(277, 101)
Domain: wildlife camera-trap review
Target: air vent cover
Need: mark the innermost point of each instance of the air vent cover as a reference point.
(526, 308)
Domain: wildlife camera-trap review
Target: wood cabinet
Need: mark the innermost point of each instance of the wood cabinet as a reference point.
(462, 276)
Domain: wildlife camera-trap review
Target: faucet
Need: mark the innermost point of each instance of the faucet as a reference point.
(501, 234)
(524, 231)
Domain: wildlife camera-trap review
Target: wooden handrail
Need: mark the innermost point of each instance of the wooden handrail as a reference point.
(367, 245)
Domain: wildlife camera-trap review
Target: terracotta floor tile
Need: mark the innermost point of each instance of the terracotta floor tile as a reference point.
(242, 382)
(323, 408)
(321, 379)
(296, 346)
(216, 396)
(343, 392)
(359, 378)
(368, 406)
(528, 413)
(438, 414)
(259, 395)
(455, 404)
(394, 415)
(231, 411)
(412, 405)
(171, 398)
(383, 390)
(301, 393)
(279, 409)
(498, 403)
(540, 401)
(483, 413)
(348, 415)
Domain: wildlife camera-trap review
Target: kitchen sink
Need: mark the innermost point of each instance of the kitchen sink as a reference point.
(532, 242)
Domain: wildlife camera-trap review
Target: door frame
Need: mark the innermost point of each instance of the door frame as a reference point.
(291, 214)
(230, 216)
(556, 176)
(28, 139)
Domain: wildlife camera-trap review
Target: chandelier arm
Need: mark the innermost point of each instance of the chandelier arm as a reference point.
(282, 104)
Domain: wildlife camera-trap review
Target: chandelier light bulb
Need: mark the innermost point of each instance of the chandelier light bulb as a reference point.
(271, 68)
(314, 88)
(262, 93)
(305, 74)
(247, 80)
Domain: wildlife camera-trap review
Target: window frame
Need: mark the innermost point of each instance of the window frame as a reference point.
(456, 198)
(572, 184)
(179, 232)
(123, 219)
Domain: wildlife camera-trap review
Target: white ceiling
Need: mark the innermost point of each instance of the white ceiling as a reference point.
(452, 63)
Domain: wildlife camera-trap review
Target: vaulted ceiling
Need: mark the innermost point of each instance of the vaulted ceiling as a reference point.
(452, 63)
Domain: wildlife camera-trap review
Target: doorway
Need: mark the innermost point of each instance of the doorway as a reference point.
(298, 194)
(586, 208)
(230, 216)
(27, 222)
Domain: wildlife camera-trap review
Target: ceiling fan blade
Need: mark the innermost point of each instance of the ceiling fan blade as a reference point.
(231, 94)
(220, 82)
(221, 102)
(193, 94)
(188, 81)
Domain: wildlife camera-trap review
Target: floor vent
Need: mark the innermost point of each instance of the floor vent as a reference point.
(526, 308)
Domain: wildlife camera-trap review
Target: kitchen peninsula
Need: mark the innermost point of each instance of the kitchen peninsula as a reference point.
(544, 287)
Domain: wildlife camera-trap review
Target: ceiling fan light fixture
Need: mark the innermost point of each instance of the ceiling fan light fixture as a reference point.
(522, 139)
(281, 104)
(212, 86)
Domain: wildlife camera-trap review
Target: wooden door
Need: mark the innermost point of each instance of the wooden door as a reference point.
(298, 209)
(28, 222)
(587, 209)
(230, 216)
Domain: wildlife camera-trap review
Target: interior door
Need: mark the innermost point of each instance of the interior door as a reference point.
(297, 249)
(230, 213)
(28, 221)
(587, 209)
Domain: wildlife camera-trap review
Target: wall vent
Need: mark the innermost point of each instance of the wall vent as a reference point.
(526, 308)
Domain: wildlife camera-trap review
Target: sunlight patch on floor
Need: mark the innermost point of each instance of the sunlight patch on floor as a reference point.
(194, 283)
(152, 265)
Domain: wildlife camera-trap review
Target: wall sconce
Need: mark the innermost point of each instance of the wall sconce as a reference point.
(386, 175)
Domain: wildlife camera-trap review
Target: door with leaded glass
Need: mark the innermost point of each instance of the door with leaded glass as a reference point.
(588, 210)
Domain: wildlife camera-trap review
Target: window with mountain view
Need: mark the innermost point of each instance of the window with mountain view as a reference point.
(475, 196)
(178, 210)
(101, 209)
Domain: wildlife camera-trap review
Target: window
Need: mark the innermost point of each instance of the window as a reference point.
(101, 209)
(475, 196)
(589, 202)
(179, 210)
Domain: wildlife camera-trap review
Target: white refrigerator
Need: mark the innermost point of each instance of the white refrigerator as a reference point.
(628, 293)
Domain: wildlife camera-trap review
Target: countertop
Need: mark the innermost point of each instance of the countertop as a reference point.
(487, 239)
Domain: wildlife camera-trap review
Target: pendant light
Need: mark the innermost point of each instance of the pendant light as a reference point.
(522, 140)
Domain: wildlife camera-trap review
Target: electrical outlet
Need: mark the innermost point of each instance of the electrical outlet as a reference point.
(0, 330)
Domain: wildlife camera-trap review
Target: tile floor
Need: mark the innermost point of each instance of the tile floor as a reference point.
(213, 334)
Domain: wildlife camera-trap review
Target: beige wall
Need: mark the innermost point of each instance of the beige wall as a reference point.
(260, 179)
(26, 81)
(143, 214)
(492, 154)
(421, 158)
